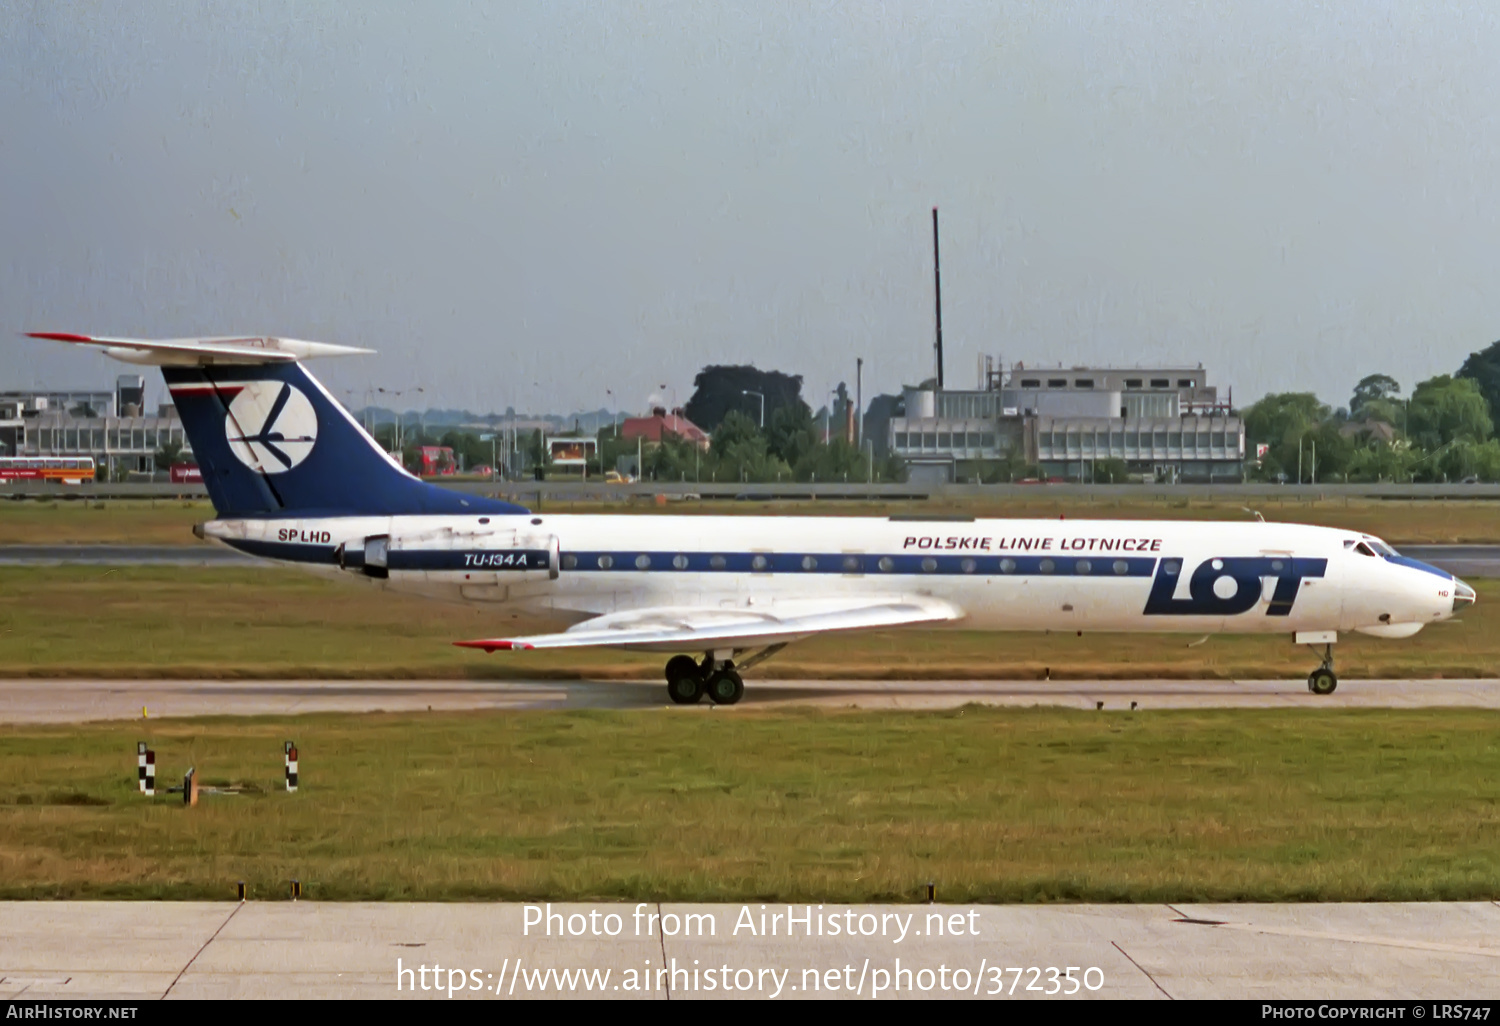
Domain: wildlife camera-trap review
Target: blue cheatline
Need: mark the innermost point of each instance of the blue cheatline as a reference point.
(791, 563)
(272, 442)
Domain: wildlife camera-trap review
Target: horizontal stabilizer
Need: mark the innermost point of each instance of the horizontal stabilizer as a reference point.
(203, 352)
(690, 630)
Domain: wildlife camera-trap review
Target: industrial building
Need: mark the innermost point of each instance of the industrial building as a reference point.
(112, 427)
(1164, 423)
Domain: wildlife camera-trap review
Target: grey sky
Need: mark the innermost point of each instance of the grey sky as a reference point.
(533, 203)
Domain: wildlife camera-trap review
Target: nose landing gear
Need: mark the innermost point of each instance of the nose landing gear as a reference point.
(1323, 680)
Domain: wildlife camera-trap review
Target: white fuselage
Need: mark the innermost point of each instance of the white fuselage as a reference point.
(1086, 575)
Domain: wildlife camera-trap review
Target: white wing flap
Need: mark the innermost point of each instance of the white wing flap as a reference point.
(681, 629)
(203, 352)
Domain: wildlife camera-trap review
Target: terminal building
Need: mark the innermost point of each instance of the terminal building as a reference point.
(1164, 423)
(112, 427)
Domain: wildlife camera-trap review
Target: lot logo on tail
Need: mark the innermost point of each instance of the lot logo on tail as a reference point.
(271, 426)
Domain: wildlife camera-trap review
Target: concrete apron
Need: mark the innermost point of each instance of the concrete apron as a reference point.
(284, 949)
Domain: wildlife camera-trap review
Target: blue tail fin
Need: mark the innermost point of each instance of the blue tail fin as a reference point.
(271, 441)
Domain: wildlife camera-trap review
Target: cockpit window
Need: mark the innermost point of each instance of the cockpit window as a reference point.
(1381, 547)
(1348, 543)
(1364, 550)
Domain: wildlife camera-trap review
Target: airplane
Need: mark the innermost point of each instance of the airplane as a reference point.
(295, 479)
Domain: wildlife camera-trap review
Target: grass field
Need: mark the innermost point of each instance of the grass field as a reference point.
(165, 522)
(992, 805)
(269, 622)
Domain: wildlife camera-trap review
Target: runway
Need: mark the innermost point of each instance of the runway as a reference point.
(1463, 560)
(306, 949)
(50, 701)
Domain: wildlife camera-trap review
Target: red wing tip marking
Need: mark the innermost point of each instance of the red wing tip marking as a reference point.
(59, 336)
(494, 646)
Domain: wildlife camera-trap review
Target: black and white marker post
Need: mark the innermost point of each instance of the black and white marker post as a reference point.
(291, 766)
(145, 762)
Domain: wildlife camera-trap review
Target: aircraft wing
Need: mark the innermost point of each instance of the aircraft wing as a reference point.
(202, 352)
(675, 629)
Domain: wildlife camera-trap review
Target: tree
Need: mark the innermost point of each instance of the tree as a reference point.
(791, 433)
(1380, 461)
(836, 462)
(672, 459)
(468, 450)
(720, 390)
(1381, 388)
(167, 453)
(1445, 408)
(1483, 368)
(740, 452)
(1388, 411)
(734, 431)
(1328, 452)
(1465, 459)
(1109, 471)
(1284, 421)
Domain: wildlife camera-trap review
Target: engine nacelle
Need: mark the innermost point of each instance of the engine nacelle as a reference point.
(370, 556)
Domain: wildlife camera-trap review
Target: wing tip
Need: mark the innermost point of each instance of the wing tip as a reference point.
(494, 645)
(59, 336)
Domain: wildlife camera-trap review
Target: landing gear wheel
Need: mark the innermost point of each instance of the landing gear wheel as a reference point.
(682, 666)
(725, 687)
(1322, 681)
(686, 688)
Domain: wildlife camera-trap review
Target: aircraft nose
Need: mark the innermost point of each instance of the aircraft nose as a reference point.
(1463, 595)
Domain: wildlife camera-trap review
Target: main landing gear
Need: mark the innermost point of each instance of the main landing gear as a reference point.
(688, 681)
(1323, 680)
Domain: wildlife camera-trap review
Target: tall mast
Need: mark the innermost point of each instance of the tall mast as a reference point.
(937, 288)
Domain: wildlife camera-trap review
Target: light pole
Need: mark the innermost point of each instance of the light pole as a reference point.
(364, 419)
(494, 456)
(400, 428)
(762, 398)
